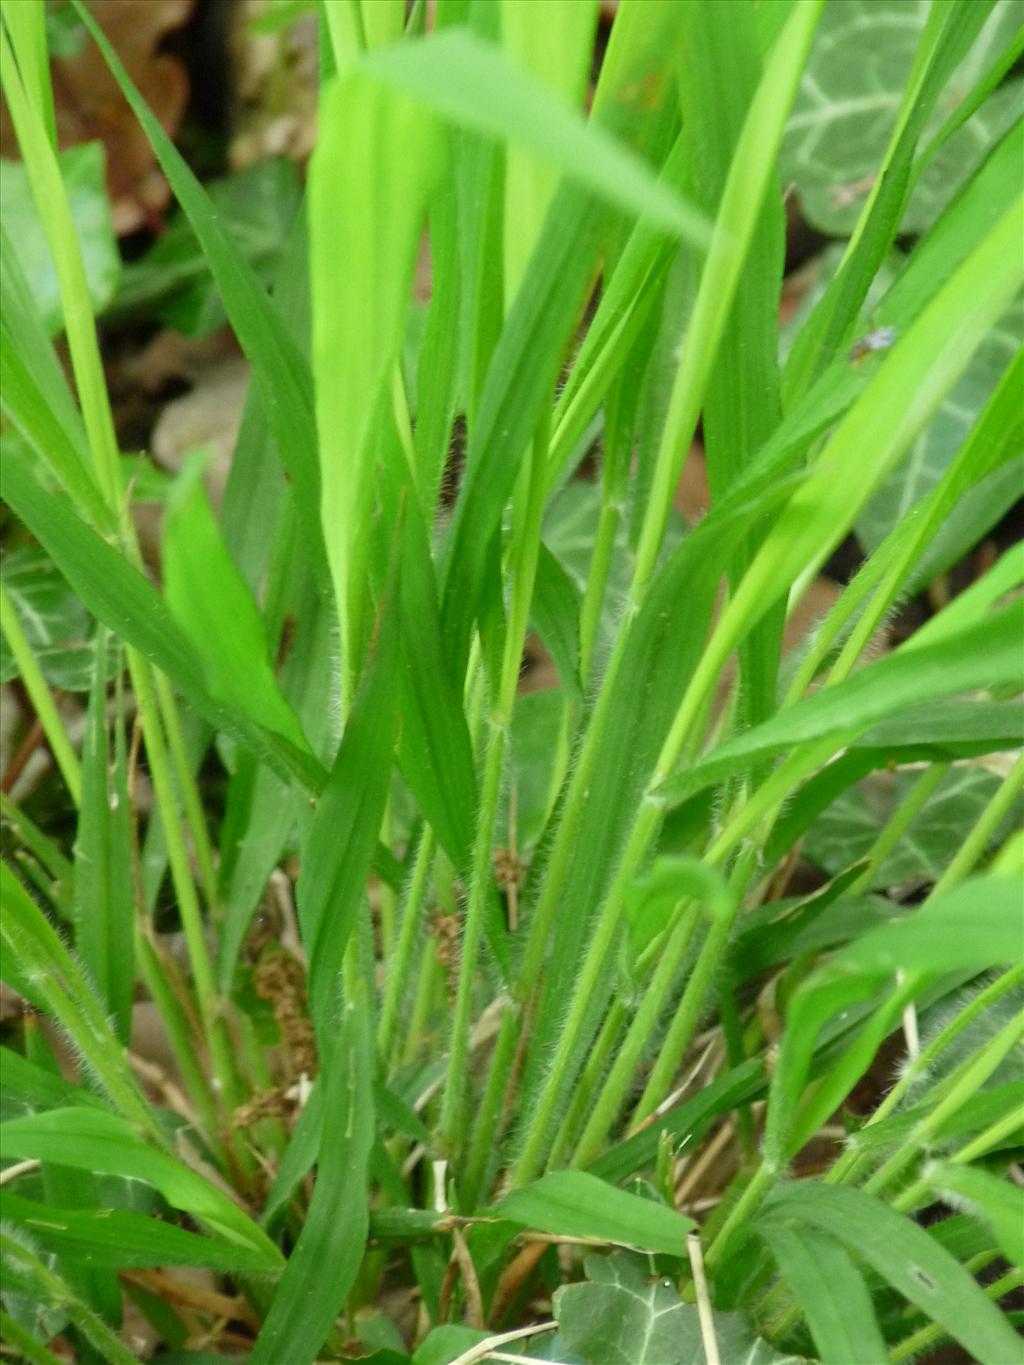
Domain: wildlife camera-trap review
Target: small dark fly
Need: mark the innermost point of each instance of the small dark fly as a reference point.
(874, 341)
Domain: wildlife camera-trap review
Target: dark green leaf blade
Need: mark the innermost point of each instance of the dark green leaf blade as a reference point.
(831, 1291)
(93, 1140)
(905, 1256)
(104, 907)
(984, 654)
(327, 1256)
(280, 371)
(116, 1239)
(123, 599)
(342, 838)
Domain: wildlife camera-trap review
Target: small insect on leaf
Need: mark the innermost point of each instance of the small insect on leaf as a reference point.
(879, 340)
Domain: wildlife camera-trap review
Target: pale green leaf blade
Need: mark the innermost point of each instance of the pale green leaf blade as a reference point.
(340, 842)
(476, 85)
(831, 1291)
(999, 1203)
(376, 161)
(307, 1300)
(577, 1204)
(104, 907)
(124, 600)
(905, 1256)
(216, 613)
(280, 371)
(92, 1140)
(900, 682)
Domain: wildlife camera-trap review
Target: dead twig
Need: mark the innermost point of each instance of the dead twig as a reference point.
(185, 1295)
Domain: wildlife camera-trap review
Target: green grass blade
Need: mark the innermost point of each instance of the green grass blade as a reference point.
(41, 698)
(474, 84)
(342, 838)
(117, 1239)
(216, 613)
(257, 492)
(996, 1202)
(929, 940)
(104, 907)
(902, 561)
(559, 57)
(578, 1204)
(556, 616)
(435, 752)
(907, 1258)
(976, 656)
(974, 212)
(831, 1290)
(739, 213)
(930, 733)
(280, 371)
(874, 434)
(29, 106)
(692, 1117)
(376, 159)
(742, 404)
(987, 83)
(26, 1084)
(92, 1140)
(438, 369)
(35, 393)
(129, 605)
(948, 33)
(334, 1234)
(40, 845)
(39, 966)
(519, 382)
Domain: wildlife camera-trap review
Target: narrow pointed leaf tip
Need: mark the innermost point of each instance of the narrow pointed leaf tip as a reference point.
(577, 1204)
(475, 85)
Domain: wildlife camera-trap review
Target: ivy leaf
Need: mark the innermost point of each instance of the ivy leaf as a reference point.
(625, 1316)
(850, 826)
(257, 206)
(56, 624)
(848, 100)
(931, 453)
(82, 169)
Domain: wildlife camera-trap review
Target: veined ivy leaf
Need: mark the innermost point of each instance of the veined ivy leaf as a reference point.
(934, 449)
(930, 455)
(83, 171)
(570, 527)
(56, 624)
(847, 103)
(536, 730)
(625, 1316)
(849, 827)
(257, 205)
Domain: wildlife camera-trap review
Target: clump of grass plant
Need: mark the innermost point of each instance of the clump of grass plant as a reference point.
(542, 1053)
